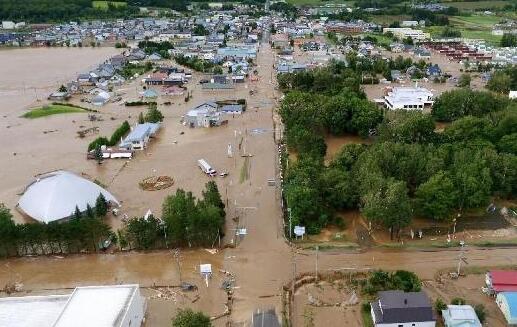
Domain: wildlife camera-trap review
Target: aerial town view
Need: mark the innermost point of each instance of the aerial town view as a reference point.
(259, 163)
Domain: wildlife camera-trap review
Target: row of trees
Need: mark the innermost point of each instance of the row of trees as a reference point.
(120, 132)
(186, 221)
(83, 232)
(411, 169)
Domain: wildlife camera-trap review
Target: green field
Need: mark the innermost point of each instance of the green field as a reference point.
(466, 5)
(104, 4)
(475, 21)
(53, 109)
(467, 32)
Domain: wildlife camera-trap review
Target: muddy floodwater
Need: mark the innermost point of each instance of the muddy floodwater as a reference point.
(27, 77)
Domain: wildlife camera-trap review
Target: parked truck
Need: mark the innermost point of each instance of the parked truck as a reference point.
(206, 168)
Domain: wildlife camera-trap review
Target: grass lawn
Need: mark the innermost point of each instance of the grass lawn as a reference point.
(381, 38)
(53, 109)
(104, 4)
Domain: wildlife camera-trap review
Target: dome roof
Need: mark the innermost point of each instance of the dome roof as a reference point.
(55, 195)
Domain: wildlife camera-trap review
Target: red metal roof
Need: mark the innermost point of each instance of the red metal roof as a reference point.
(504, 280)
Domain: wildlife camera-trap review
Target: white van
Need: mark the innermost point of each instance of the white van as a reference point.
(206, 168)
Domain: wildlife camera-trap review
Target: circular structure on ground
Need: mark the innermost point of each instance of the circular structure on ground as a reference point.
(155, 183)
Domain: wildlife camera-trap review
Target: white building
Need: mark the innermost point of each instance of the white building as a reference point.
(55, 195)
(408, 98)
(8, 25)
(405, 32)
(99, 306)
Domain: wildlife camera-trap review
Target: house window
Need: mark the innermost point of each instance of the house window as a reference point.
(401, 325)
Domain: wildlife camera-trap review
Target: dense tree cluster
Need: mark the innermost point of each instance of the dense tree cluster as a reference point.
(455, 104)
(502, 81)
(380, 280)
(185, 221)
(38, 11)
(161, 48)
(197, 64)
(83, 232)
(410, 170)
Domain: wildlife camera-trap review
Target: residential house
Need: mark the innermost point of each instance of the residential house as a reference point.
(402, 309)
(434, 71)
(507, 303)
(204, 115)
(101, 98)
(139, 136)
(460, 316)
(501, 281)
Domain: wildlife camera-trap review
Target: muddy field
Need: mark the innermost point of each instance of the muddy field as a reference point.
(51, 143)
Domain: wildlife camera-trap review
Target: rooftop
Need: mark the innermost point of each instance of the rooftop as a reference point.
(108, 303)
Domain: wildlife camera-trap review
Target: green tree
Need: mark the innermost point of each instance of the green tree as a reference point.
(464, 80)
(455, 104)
(77, 213)
(407, 127)
(389, 206)
(89, 211)
(153, 115)
(62, 88)
(211, 196)
(509, 40)
(143, 233)
(508, 144)
(436, 198)
(439, 305)
(480, 312)
(177, 210)
(98, 154)
(189, 318)
(500, 82)
(101, 206)
(141, 119)
(458, 301)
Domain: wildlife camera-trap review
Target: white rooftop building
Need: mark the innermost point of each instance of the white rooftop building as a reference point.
(100, 306)
(408, 98)
(54, 196)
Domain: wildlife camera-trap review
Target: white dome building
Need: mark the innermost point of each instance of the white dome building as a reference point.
(54, 196)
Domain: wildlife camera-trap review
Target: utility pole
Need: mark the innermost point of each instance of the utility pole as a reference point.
(317, 252)
(177, 257)
(461, 258)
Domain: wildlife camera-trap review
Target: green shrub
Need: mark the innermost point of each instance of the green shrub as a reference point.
(119, 133)
(101, 140)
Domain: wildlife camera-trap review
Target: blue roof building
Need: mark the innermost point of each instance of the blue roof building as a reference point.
(507, 302)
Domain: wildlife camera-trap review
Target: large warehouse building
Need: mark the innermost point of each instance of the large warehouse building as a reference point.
(99, 306)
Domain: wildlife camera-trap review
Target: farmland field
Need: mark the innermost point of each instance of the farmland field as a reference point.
(475, 21)
(467, 32)
(104, 4)
(466, 5)
(388, 19)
